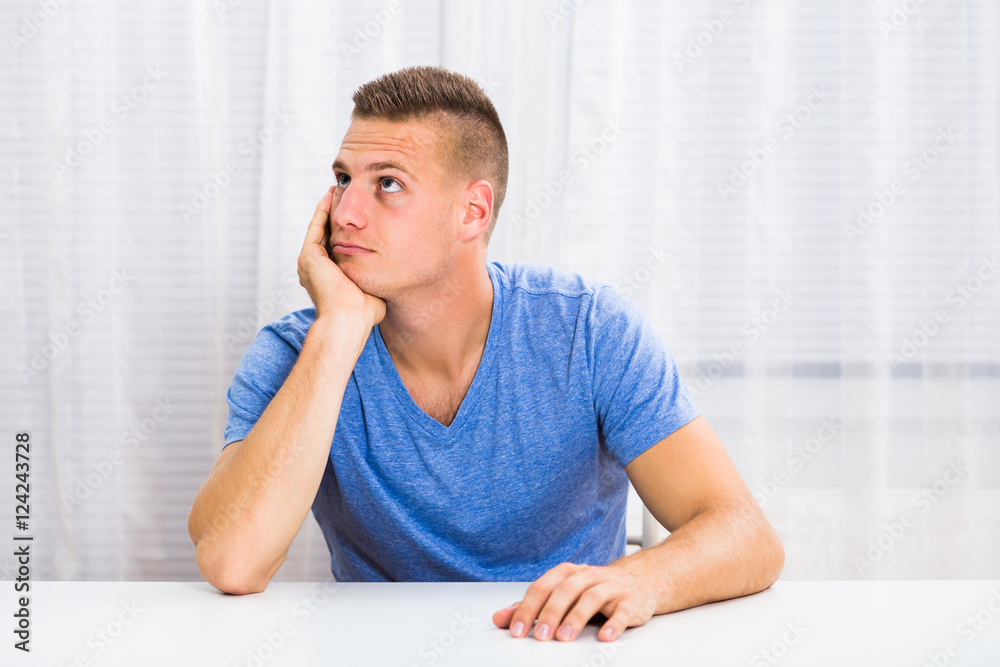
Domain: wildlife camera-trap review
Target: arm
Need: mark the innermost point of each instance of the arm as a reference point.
(721, 546)
(253, 503)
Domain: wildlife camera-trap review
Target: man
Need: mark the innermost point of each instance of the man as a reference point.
(484, 418)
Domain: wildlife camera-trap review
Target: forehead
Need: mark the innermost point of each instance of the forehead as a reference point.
(412, 144)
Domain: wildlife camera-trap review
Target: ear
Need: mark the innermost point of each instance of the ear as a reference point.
(477, 210)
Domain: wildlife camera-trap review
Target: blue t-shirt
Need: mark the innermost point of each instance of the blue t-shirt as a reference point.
(573, 384)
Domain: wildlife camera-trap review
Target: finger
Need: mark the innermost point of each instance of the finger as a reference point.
(317, 227)
(619, 620)
(562, 598)
(592, 600)
(536, 596)
(501, 618)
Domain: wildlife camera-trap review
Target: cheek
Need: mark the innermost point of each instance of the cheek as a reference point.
(420, 234)
(419, 240)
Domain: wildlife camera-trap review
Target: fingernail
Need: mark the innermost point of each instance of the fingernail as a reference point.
(517, 629)
(607, 633)
(542, 632)
(566, 632)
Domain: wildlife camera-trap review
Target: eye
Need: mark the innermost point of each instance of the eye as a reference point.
(388, 179)
(340, 182)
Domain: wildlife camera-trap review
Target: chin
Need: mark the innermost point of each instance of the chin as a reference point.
(366, 281)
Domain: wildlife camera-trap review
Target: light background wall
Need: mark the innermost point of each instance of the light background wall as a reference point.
(827, 107)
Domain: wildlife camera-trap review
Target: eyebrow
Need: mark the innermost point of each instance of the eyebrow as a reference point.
(374, 166)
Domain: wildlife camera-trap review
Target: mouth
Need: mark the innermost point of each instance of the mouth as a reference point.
(349, 248)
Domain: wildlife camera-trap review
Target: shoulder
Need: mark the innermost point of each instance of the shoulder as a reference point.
(542, 289)
(297, 321)
(289, 330)
(528, 279)
(269, 358)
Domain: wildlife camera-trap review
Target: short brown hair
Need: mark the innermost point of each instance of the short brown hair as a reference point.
(476, 145)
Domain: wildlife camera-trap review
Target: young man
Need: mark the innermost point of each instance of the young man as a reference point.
(446, 418)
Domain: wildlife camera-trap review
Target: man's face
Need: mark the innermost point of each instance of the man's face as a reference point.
(394, 199)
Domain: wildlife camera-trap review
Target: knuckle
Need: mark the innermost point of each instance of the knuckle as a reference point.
(627, 610)
(548, 616)
(576, 619)
(594, 595)
(649, 608)
(539, 586)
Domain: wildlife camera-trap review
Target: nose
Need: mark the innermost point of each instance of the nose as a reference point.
(350, 208)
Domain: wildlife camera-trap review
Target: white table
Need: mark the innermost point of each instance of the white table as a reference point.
(192, 623)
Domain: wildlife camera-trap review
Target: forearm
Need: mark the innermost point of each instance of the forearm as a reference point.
(724, 552)
(252, 505)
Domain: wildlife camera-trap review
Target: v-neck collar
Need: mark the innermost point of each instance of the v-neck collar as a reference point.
(486, 367)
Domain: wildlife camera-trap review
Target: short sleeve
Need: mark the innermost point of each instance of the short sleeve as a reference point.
(639, 395)
(261, 372)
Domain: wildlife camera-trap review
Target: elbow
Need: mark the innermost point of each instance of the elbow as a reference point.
(224, 576)
(765, 554)
(773, 552)
(239, 586)
(234, 582)
(194, 531)
(778, 559)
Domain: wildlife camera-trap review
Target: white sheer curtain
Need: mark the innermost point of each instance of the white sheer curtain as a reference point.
(161, 163)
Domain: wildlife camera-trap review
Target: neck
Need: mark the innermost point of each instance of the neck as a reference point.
(440, 329)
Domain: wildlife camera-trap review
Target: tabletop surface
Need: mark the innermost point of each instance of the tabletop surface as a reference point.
(405, 624)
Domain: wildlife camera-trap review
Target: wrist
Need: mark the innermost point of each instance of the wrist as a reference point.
(653, 574)
(339, 337)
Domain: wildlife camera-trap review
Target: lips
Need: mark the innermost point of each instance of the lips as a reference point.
(345, 248)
